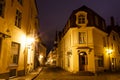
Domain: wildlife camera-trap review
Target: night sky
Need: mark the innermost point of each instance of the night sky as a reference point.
(53, 14)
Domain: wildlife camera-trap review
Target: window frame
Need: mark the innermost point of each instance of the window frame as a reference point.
(82, 37)
(81, 18)
(18, 18)
(15, 47)
(100, 61)
(104, 42)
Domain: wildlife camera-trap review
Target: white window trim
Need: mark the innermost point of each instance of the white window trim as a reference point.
(77, 15)
(84, 41)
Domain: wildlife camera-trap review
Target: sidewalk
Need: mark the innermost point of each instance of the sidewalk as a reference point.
(29, 76)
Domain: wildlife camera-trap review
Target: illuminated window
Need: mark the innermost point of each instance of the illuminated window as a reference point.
(18, 18)
(15, 52)
(2, 8)
(82, 37)
(100, 61)
(20, 1)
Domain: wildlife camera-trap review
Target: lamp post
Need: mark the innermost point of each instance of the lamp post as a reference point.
(109, 51)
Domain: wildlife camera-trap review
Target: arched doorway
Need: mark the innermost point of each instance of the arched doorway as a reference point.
(82, 61)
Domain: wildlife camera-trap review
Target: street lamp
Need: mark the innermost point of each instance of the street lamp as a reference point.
(30, 40)
(109, 51)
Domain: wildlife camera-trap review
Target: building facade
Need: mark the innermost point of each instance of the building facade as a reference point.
(83, 43)
(18, 33)
(42, 54)
(52, 58)
(113, 46)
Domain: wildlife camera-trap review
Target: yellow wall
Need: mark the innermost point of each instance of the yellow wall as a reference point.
(18, 35)
(94, 41)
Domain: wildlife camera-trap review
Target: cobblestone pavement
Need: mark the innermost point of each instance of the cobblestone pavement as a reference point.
(29, 76)
(54, 73)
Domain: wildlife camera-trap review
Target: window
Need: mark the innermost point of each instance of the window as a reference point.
(15, 52)
(18, 18)
(20, 1)
(96, 21)
(81, 19)
(12, 1)
(103, 24)
(113, 37)
(113, 63)
(2, 8)
(104, 42)
(100, 61)
(82, 37)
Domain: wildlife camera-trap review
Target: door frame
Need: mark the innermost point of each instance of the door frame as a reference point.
(82, 61)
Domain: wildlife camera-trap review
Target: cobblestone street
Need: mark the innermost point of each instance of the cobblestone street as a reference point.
(54, 73)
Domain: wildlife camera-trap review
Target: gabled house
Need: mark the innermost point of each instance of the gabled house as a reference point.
(83, 42)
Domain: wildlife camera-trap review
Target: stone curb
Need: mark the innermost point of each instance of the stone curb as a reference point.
(37, 74)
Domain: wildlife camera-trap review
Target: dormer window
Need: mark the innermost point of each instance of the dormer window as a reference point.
(81, 18)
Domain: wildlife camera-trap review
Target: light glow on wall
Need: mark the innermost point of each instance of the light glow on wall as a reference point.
(29, 56)
(23, 38)
(30, 40)
(40, 57)
(109, 51)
